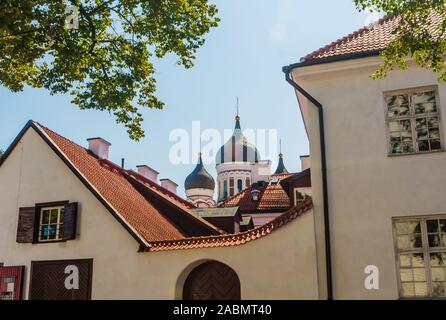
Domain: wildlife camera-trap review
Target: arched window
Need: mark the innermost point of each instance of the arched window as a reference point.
(231, 187)
(248, 183)
(225, 189)
(239, 185)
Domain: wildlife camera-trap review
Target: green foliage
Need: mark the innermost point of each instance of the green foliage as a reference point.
(418, 36)
(1, 152)
(106, 63)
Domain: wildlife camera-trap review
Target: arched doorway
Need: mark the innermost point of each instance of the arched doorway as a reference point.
(212, 280)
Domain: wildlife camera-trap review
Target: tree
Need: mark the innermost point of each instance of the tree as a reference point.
(419, 35)
(99, 51)
(1, 152)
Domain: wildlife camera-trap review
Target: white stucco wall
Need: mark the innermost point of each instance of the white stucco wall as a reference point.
(278, 266)
(366, 186)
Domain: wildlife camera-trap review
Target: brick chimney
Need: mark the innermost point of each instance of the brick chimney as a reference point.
(169, 185)
(99, 147)
(148, 172)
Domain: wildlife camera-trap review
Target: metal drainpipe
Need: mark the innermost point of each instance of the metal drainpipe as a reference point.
(319, 107)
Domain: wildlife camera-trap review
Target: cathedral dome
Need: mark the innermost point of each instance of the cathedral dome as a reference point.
(237, 148)
(199, 178)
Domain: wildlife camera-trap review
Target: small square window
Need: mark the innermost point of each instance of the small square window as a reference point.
(51, 224)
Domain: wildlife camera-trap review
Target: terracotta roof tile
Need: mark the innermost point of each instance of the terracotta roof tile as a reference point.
(234, 239)
(369, 39)
(112, 184)
(272, 197)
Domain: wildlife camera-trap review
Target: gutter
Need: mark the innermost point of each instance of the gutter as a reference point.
(287, 70)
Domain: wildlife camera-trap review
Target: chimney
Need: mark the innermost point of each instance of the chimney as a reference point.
(169, 185)
(148, 173)
(99, 147)
(304, 162)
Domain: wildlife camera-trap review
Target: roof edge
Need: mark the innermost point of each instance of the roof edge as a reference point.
(234, 239)
(318, 61)
(37, 128)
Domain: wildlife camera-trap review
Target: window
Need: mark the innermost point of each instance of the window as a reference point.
(239, 185)
(413, 122)
(225, 189)
(51, 224)
(248, 183)
(231, 187)
(421, 256)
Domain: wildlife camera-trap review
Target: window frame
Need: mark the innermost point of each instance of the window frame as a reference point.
(39, 208)
(412, 118)
(425, 250)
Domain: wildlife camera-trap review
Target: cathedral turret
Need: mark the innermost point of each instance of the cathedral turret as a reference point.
(281, 166)
(200, 186)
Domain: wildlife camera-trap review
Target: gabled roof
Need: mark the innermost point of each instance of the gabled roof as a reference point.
(272, 198)
(238, 238)
(125, 194)
(367, 41)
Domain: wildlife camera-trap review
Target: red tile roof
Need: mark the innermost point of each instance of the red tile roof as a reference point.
(370, 39)
(234, 239)
(272, 198)
(112, 183)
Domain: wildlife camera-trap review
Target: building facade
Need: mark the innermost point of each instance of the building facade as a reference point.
(386, 169)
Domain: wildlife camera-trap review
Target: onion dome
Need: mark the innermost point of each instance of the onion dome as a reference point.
(237, 148)
(199, 178)
(281, 167)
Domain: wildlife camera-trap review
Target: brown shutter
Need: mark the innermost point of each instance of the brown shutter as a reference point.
(70, 221)
(25, 227)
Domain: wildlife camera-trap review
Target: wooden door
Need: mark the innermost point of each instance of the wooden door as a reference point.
(212, 281)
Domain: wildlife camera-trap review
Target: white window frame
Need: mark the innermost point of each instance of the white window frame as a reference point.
(58, 224)
(413, 118)
(425, 250)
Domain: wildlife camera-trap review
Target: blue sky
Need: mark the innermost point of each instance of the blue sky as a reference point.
(242, 57)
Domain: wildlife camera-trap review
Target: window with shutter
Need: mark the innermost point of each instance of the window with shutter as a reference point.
(25, 226)
(47, 222)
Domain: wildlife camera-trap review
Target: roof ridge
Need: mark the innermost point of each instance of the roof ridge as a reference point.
(234, 239)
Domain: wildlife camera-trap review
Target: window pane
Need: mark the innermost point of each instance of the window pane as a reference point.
(414, 227)
(52, 232)
(434, 240)
(45, 216)
(439, 289)
(403, 242)
(419, 274)
(422, 134)
(432, 226)
(421, 289)
(394, 126)
(418, 260)
(433, 122)
(438, 259)
(434, 134)
(408, 289)
(424, 102)
(443, 225)
(421, 123)
(402, 228)
(405, 261)
(437, 274)
(435, 145)
(423, 145)
(53, 218)
(406, 275)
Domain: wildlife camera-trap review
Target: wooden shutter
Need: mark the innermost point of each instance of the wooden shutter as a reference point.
(25, 227)
(70, 221)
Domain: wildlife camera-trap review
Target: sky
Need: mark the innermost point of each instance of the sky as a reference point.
(243, 57)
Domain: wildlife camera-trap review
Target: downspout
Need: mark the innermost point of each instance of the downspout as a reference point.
(319, 107)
